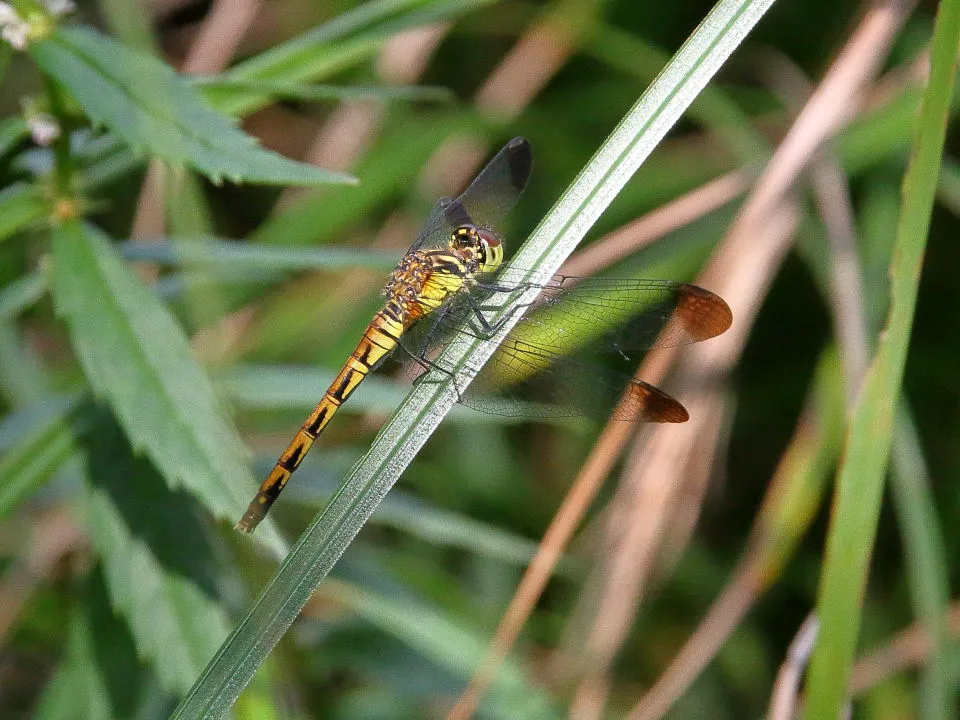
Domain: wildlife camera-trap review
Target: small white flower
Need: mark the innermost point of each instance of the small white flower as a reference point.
(8, 14)
(44, 128)
(13, 28)
(60, 7)
(16, 34)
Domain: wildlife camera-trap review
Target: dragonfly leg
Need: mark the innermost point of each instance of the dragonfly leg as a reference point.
(491, 328)
(428, 365)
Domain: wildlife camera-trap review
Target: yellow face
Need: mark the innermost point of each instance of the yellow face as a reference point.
(480, 244)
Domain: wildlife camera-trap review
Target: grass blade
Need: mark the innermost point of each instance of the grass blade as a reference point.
(927, 564)
(564, 226)
(860, 482)
(215, 254)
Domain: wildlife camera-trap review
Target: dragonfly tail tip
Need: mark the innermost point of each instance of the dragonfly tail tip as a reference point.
(247, 524)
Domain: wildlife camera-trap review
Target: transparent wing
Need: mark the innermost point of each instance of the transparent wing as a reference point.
(602, 315)
(497, 188)
(436, 231)
(571, 389)
(597, 319)
(487, 200)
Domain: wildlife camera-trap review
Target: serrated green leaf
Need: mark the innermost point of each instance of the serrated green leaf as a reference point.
(137, 358)
(157, 560)
(77, 689)
(154, 111)
(99, 677)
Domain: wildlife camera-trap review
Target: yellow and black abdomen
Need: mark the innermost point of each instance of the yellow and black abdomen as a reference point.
(378, 341)
(419, 286)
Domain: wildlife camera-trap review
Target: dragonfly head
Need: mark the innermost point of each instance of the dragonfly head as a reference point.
(479, 244)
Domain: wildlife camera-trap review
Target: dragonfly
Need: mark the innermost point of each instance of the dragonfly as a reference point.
(438, 291)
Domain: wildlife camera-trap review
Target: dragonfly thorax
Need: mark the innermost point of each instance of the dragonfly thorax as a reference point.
(425, 279)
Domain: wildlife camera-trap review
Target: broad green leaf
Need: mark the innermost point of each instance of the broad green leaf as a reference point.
(348, 40)
(137, 358)
(99, 677)
(21, 206)
(154, 111)
(156, 558)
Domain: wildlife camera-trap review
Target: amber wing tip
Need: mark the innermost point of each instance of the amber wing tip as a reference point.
(674, 414)
(651, 404)
(704, 314)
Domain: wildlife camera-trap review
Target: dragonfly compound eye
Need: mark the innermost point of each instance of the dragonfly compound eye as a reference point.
(490, 252)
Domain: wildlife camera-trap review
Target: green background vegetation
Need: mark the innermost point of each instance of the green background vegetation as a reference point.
(174, 298)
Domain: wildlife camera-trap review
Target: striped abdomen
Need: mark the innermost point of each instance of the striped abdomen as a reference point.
(378, 340)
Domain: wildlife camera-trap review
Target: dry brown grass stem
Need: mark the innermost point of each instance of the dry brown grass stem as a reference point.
(783, 700)
(832, 194)
(829, 108)
(845, 272)
(626, 570)
(652, 226)
(702, 470)
(562, 527)
(220, 35)
(908, 649)
(353, 126)
(534, 61)
(757, 568)
(648, 494)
